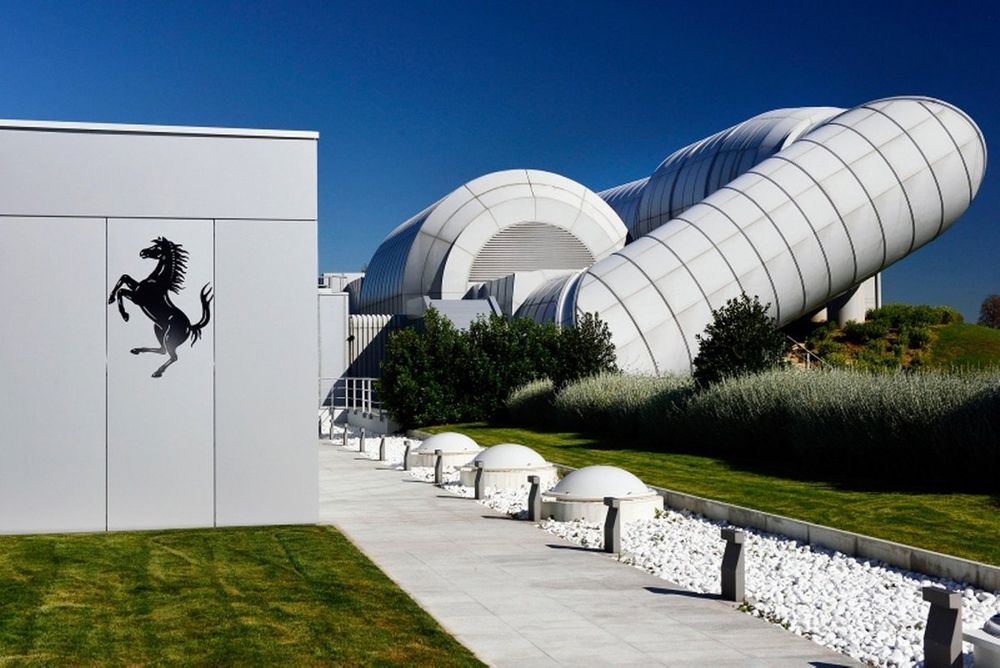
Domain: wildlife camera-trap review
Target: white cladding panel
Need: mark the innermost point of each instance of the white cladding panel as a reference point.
(160, 440)
(52, 416)
(165, 176)
(333, 313)
(89, 440)
(266, 361)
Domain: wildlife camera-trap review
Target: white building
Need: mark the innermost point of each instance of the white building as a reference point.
(122, 249)
(802, 208)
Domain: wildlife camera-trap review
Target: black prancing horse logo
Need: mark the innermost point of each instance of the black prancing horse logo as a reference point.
(171, 326)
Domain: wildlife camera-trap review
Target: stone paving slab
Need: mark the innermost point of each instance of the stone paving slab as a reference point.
(519, 596)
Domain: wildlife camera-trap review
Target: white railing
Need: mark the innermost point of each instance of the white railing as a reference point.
(807, 356)
(349, 392)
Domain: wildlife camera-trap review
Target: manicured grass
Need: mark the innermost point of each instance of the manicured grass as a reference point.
(964, 525)
(963, 345)
(296, 595)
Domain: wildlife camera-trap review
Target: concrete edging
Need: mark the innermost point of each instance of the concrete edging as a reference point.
(910, 558)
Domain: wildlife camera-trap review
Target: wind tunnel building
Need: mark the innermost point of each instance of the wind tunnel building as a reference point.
(799, 207)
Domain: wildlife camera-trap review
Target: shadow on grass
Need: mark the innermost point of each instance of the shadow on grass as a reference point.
(811, 472)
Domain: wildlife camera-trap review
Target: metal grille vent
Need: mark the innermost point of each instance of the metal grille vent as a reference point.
(527, 247)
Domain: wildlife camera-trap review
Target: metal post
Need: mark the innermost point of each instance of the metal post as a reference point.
(381, 450)
(943, 635)
(535, 498)
(361, 443)
(331, 419)
(613, 525)
(480, 491)
(438, 467)
(733, 567)
(406, 457)
(345, 434)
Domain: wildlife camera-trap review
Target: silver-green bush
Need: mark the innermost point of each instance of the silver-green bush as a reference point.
(907, 425)
(531, 404)
(925, 427)
(611, 402)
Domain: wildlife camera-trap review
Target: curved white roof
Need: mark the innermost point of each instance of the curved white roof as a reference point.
(514, 220)
(509, 456)
(448, 441)
(793, 206)
(597, 482)
(838, 200)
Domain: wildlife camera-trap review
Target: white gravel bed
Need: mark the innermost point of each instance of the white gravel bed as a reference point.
(865, 609)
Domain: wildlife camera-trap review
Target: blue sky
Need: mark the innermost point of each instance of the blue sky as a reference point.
(413, 99)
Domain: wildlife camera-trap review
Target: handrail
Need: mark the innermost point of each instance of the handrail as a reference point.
(809, 355)
(349, 392)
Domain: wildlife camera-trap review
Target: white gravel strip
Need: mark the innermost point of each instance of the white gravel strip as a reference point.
(865, 609)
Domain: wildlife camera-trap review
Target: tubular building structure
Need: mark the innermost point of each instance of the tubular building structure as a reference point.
(796, 206)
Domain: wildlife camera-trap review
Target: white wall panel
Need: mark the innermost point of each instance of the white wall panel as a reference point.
(176, 176)
(266, 372)
(332, 310)
(52, 359)
(160, 430)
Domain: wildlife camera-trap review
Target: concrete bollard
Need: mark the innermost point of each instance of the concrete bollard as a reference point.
(733, 566)
(345, 434)
(331, 422)
(480, 491)
(406, 457)
(613, 525)
(535, 498)
(985, 643)
(361, 443)
(943, 634)
(438, 467)
(381, 450)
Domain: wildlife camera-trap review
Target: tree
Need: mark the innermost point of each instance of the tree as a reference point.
(421, 373)
(584, 350)
(741, 339)
(506, 353)
(438, 374)
(989, 312)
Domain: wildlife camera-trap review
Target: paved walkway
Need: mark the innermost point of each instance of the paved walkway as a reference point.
(517, 595)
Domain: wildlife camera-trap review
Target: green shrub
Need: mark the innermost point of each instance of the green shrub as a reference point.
(903, 315)
(419, 372)
(531, 404)
(855, 332)
(824, 331)
(436, 374)
(864, 332)
(504, 354)
(875, 329)
(837, 359)
(989, 312)
(827, 347)
(583, 350)
(616, 403)
(741, 339)
(919, 337)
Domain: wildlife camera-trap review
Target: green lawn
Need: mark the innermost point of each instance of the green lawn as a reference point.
(964, 525)
(965, 345)
(294, 595)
